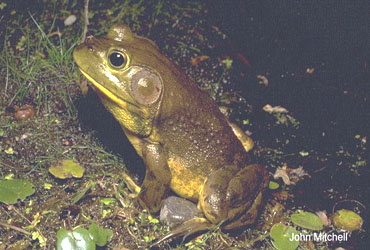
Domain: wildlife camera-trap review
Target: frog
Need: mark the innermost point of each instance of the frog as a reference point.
(187, 144)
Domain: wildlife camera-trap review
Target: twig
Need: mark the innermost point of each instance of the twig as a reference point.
(131, 233)
(86, 20)
(25, 218)
(15, 228)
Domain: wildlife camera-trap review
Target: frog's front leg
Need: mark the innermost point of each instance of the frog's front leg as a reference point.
(232, 196)
(157, 177)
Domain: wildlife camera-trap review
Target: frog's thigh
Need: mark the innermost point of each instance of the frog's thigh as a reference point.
(233, 196)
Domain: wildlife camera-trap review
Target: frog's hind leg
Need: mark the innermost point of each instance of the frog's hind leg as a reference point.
(232, 196)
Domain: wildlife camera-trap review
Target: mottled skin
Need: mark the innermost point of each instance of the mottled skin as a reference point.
(185, 141)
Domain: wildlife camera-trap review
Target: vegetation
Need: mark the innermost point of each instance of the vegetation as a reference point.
(46, 122)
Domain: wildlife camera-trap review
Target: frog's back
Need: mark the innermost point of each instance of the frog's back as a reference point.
(196, 135)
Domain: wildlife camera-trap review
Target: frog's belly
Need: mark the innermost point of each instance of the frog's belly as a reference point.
(185, 182)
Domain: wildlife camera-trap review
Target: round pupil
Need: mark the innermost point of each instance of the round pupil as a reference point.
(116, 59)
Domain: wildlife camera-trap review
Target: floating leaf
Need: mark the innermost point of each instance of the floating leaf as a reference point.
(67, 169)
(281, 235)
(12, 190)
(273, 185)
(347, 220)
(100, 235)
(307, 220)
(78, 239)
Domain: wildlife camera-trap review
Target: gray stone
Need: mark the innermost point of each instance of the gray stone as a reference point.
(175, 211)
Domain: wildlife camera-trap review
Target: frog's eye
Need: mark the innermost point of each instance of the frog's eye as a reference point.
(146, 87)
(117, 59)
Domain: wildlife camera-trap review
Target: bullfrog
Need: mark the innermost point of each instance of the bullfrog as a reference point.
(187, 145)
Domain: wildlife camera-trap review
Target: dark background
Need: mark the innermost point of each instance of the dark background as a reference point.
(281, 39)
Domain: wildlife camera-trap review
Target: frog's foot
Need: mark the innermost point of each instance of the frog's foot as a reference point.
(134, 188)
(189, 227)
(233, 196)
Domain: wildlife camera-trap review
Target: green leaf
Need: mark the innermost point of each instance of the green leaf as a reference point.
(9, 177)
(227, 62)
(347, 220)
(48, 186)
(9, 151)
(149, 239)
(153, 220)
(2, 5)
(107, 201)
(100, 235)
(12, 190)
(307, 220)
(304, 153)
(78, 239)
(273, 185)
(281, 235)
(67, 169)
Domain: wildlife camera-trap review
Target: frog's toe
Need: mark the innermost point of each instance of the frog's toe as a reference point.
(189, 227)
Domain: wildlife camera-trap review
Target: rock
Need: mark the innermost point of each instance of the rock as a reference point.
(175, 211)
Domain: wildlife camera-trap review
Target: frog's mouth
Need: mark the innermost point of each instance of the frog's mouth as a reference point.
(105, 91)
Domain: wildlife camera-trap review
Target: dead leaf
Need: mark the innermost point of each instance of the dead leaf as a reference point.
(84, 87)
(299, 172)
(263, 80)
(282, 195)
(70, 20)
(276, 109)
(24, 112)
(196, 60)
(310, 70)
(282, 173)
(323, 217)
